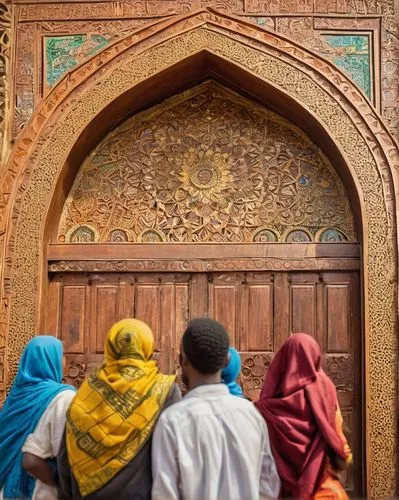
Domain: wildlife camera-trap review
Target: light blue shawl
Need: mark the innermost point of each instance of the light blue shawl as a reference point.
(37, 382)
(231, 372)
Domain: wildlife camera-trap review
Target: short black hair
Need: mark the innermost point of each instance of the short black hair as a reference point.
(206, 344)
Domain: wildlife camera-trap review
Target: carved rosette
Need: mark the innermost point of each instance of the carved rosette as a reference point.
(340, 369)
(75, 373)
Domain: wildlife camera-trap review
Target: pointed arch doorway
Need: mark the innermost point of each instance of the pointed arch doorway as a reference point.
(211, 205)
(139, 72)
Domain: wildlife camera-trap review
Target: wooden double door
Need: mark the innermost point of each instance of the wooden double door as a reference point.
(259, 309)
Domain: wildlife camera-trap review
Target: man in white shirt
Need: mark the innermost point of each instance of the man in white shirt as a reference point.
(211, 445)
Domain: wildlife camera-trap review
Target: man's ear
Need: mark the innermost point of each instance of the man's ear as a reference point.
(183, 360)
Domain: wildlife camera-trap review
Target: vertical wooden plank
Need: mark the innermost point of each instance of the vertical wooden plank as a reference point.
(199, 295)
(348, 427)
(260, 318)
(127, 305)
(223, 303)
(338, 320)
(53, 313)
(146, 308)
(182, 314)
(73, 317)
(106, 299)
(303, 308)
(321, 320)
(243, 315)
(166, 338)
(281, 313)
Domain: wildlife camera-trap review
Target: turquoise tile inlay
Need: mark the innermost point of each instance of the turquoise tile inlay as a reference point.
(65, 52)
(352, 54)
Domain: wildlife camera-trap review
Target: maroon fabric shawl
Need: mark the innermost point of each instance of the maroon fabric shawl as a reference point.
(299, 403)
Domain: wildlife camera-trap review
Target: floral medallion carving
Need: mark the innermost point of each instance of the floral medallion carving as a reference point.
(206, 166)
(253, 371)
(75, 373)
(340, 370)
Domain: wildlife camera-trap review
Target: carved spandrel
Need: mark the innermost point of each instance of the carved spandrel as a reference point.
(24, 84)
(201, 169)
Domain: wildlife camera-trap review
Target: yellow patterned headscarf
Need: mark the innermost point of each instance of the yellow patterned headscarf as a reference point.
(116, 407)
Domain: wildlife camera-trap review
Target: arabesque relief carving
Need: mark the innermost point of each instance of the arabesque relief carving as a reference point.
(5, 34)
(207, 166)
(350, 121)
(298, 19)
(200, 266)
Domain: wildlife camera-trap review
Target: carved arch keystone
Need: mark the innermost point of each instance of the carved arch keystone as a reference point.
(42, 155)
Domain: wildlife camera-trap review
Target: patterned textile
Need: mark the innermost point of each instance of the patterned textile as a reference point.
(115, 409)
(37, 383)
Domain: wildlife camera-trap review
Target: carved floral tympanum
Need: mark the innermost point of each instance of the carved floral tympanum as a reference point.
(206, 166)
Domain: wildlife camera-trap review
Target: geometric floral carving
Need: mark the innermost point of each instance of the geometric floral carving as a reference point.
(253, 371)
(351, 53)
(82, 234)
(74, 373)
(340, 370)
(5, 28)
(350, 121)
(265, 235)
(207, 166)
(298, 236)
(118, 236)
(331, 235)
(62, 53)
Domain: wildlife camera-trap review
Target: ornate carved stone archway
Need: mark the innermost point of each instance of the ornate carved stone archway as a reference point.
(45, 152)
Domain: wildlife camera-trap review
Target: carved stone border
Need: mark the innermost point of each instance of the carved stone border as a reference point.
(322, 91)
(201, 266)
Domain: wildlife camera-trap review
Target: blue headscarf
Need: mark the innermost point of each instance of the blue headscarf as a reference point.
(37, 382)
(231, 372)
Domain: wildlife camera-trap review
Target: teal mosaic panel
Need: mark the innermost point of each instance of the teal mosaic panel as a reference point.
(352, 54)
(62, 53)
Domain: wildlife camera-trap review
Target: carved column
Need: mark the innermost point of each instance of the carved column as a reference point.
(5, 36)
(5, 45)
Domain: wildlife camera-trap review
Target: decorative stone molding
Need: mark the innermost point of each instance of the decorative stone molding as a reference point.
(322, 91)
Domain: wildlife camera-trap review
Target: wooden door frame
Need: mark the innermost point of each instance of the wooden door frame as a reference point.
(165, 58)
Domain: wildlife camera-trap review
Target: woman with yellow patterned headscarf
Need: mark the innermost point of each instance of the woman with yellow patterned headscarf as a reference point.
(110, 421)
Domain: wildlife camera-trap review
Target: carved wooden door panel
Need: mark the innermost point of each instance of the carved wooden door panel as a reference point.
(259, 310)
(82, 307)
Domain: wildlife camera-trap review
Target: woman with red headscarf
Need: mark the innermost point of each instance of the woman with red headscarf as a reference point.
(299, 403)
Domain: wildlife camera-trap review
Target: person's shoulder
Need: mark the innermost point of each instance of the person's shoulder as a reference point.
(173, 411)
(246, 406)
(63, 399)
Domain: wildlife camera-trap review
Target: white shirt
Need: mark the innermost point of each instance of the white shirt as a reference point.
(212, 446)
(45, 440)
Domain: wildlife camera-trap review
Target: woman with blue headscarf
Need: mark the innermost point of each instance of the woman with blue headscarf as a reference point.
(32, 422)
(231, 372)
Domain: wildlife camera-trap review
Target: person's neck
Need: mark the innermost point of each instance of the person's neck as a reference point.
(204, 380)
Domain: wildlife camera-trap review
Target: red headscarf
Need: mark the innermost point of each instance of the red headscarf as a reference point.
(299, 403)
